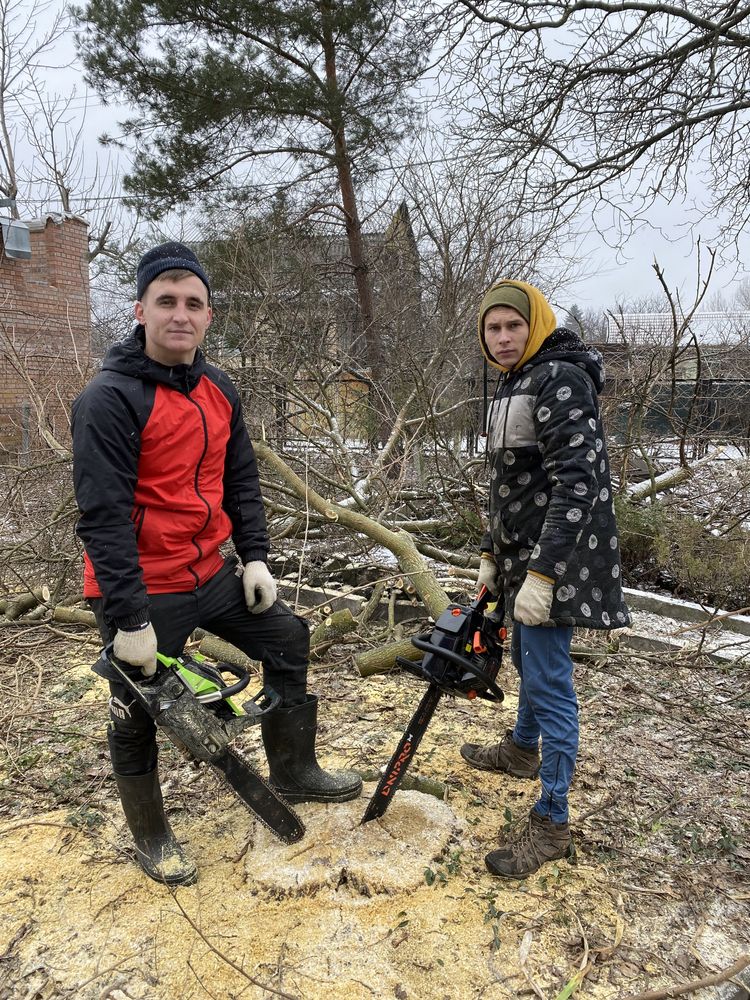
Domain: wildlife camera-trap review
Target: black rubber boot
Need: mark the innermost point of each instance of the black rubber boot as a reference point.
(159, 853)
(289, 739)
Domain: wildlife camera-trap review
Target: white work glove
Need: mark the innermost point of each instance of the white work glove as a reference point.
(533, 601)
(487, 575)
(259, 586)
(137, 647)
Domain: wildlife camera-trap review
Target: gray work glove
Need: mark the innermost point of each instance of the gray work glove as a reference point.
(259, 587)
(137, 646)
(534, 600)
(487, 575)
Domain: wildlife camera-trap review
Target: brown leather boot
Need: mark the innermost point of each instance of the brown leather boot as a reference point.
(539, 841)
(504, 756)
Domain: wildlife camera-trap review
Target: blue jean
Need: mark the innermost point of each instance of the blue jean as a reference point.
(547, 707)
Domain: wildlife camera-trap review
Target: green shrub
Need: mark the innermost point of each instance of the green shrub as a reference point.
(675, 550)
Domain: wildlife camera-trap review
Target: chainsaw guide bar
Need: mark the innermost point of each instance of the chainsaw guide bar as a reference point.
(189, 700)
(462, 656)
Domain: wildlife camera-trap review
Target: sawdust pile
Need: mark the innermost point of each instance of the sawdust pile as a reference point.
(401, 908)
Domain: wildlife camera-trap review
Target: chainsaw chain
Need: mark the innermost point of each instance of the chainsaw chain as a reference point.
(256, 773)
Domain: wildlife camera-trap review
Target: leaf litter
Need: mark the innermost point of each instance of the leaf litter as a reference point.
(657, 897)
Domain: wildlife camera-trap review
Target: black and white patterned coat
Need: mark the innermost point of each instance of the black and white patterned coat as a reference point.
(551, 504)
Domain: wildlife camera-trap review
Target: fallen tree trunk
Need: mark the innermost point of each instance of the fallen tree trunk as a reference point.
(666, 480)
(400, 543)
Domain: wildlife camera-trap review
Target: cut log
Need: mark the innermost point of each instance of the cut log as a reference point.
(18, 606)
(73, 616)
(332, 628)
(383, 659)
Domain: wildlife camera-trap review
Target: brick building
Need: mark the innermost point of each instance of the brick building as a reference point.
(45, 328)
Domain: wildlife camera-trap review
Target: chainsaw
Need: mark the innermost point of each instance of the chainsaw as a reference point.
(191, 702)
(462, 655)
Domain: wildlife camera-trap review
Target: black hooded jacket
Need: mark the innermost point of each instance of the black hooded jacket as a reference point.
(164, 472)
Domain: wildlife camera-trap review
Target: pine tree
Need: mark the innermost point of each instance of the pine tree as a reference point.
(219, 87)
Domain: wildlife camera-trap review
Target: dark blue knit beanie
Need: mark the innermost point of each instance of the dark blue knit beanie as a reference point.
(164, 258)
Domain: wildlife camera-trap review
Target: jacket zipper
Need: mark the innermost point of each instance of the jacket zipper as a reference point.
(197, 490)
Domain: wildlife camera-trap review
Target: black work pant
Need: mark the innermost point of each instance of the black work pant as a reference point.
(277, 637)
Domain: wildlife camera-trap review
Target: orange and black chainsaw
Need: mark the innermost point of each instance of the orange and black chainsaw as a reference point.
(462, 656)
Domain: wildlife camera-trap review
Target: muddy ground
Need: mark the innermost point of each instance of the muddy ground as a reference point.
(658, 896)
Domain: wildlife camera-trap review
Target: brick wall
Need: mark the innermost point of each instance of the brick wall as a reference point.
(45, 332)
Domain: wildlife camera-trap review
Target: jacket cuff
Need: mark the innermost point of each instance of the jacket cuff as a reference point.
(486, 543)
(134, 620)
(541, 576)
(253, 555)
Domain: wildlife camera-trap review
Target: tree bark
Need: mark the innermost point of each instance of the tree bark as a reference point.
(330, 629)
(411, 782)
(668, 479)
(221, 651)
(17, 606)
(73, 616)
(352, 221)
(383, 659)
(400, 543)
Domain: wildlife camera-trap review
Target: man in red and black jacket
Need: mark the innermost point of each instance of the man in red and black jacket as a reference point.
(164, 474)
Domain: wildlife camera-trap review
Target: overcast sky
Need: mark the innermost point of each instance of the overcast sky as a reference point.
(611, 275)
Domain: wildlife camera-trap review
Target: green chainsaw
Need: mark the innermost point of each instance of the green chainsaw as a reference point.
(191, 702)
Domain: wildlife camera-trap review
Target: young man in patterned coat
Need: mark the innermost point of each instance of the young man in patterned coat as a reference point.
(551, 549)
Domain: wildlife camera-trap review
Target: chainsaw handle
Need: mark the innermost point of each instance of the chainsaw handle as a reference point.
(221, 694)
(461, 661)
(484, 597)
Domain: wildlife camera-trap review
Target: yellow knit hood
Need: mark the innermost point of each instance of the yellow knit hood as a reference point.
(541, 321)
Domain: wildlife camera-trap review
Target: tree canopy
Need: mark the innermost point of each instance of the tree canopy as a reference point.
(628, 101)
(220, 86)
(317, 89)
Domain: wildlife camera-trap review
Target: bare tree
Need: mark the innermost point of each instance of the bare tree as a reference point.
(624, 102)
(23, 51)
(43, 155)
